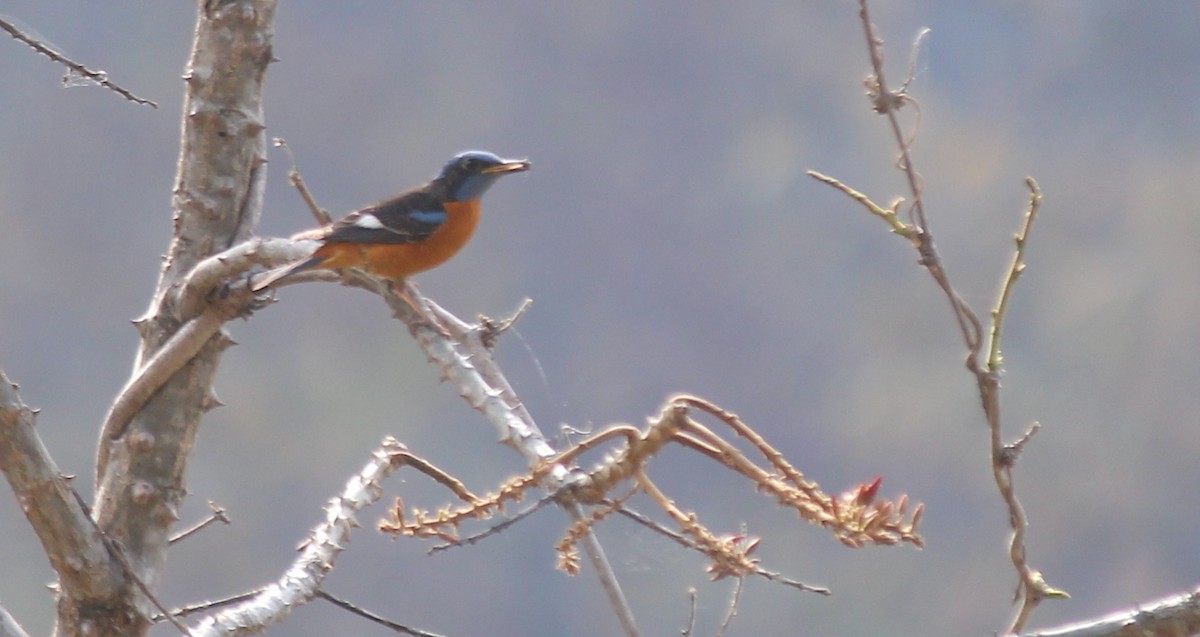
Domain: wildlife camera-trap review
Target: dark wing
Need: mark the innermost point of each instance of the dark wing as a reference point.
(409, 218)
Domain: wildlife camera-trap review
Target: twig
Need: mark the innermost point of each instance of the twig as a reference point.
(731, 611)
(495, 528)
(995, 360)
(687, 543)
(887, 214)
(440, 476)
(885, 104)
(1014, 449)
(99, 77)
(691, 620)
(913, 55)
(199, 607)
(492, 329)
(368, 615)
(297, 182)
(217, 515)
(1031, 587)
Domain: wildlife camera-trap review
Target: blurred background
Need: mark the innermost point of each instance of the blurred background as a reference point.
(671, 242)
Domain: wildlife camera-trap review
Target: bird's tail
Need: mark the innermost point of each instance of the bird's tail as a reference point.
(271, 277)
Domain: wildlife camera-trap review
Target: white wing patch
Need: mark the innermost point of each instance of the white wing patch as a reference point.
(369, 221)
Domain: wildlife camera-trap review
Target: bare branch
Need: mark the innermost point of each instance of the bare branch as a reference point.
(686, 542)
(297, 182)
(492, 329)
(78, 555)
(469, 366)
(99, 77)
(218, 515)
(368, 615)
(994, 359)
(200, 607)
(887, 103)
(1032, 587)
(196, 289)
(887, 214)
(731, 610)
(216, 202)
(495, 528)
(691, 620)
(69, 535)
(1170, 616)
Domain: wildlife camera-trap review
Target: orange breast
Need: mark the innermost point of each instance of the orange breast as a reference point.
(397, 261)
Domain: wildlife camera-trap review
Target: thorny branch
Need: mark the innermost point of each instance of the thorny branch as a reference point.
(459, 351)
(303, 580)
(99, 77)
(205, 301)
(856, 518)
(686, 542)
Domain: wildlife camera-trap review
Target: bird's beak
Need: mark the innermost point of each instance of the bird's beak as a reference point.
(509, 166)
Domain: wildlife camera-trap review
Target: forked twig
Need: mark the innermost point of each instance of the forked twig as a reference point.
(1031, 588)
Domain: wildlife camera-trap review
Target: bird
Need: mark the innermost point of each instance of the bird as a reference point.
(412, 232)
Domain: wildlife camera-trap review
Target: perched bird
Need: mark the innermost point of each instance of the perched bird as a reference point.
(412, 232)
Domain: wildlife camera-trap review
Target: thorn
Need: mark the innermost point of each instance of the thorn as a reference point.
(142, 325)
(211, 402)
(224, 341)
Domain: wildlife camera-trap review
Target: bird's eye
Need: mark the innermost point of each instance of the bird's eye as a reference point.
(470, 164)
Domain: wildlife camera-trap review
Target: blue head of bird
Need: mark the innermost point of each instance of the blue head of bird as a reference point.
(469, 174)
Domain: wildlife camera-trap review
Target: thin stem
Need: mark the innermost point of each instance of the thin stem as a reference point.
(99, 77)
(995, 359)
